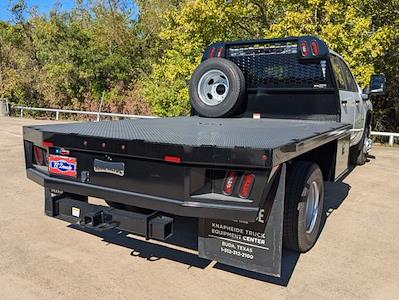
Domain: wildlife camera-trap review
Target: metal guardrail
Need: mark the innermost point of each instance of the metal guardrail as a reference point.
(79, 112)
(391, 135)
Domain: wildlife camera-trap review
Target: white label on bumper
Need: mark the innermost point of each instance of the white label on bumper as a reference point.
(76, 212)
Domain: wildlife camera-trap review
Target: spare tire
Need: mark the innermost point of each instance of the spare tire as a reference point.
(217, 88)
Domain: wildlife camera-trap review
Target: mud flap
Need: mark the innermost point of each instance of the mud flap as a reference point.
(252, 246)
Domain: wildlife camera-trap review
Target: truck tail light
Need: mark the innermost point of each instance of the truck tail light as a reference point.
(246, 185)
(40, 156)
(229, 183)
(315, 48)
(304, 48)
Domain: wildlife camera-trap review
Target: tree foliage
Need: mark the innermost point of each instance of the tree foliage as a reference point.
(142, 60)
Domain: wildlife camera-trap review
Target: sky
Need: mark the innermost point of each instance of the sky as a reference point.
(44, 6)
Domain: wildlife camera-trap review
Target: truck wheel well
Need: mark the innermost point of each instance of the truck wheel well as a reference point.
(368, 118)
(324, 157)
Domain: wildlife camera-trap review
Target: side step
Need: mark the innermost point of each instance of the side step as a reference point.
(150, 224)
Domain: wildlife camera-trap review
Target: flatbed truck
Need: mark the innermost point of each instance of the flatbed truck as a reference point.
(271, 121)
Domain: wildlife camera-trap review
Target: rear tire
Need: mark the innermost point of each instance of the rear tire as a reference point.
(303, 206)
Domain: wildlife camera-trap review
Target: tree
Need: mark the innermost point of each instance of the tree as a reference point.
(353, 28)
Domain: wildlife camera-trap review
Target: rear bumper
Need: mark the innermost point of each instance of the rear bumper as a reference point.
(177, 207)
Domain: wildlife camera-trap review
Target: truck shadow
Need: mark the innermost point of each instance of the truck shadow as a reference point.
(182, 246)
(185, 237)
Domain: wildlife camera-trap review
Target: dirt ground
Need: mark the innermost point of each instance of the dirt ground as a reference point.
(356, 256)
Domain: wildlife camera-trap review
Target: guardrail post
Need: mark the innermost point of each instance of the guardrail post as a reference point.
(57, 115)
(22, 113)
(391, 138)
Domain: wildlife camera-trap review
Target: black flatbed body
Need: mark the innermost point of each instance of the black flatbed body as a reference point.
(202, 150)
(246, 142)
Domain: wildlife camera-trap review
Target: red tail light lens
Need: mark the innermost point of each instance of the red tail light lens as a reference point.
(246, 185)
(220, 52)
(40, 156)
(47, 144)
(304, 48)
(229, 183)
(173, 159)
(212, 54)
(315, 48)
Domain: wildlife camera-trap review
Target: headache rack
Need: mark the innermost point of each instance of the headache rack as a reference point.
(278, 63)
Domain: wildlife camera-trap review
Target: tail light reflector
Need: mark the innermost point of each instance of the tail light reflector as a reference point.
(229, 183)
(246, 185)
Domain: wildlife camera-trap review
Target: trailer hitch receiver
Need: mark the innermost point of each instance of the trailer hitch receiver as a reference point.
(150, 224)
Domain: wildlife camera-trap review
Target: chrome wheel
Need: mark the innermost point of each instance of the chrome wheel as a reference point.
(312, 206)
(213, 87)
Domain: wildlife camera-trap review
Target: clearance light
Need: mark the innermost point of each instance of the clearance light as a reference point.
(315, 48)
(304, 48)
(47, 144)
(173, 159)
(229, 183)
(246, 185)
(220, 51)
(213, 50)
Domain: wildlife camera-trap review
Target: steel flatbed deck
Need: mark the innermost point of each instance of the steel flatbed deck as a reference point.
(195, 139)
